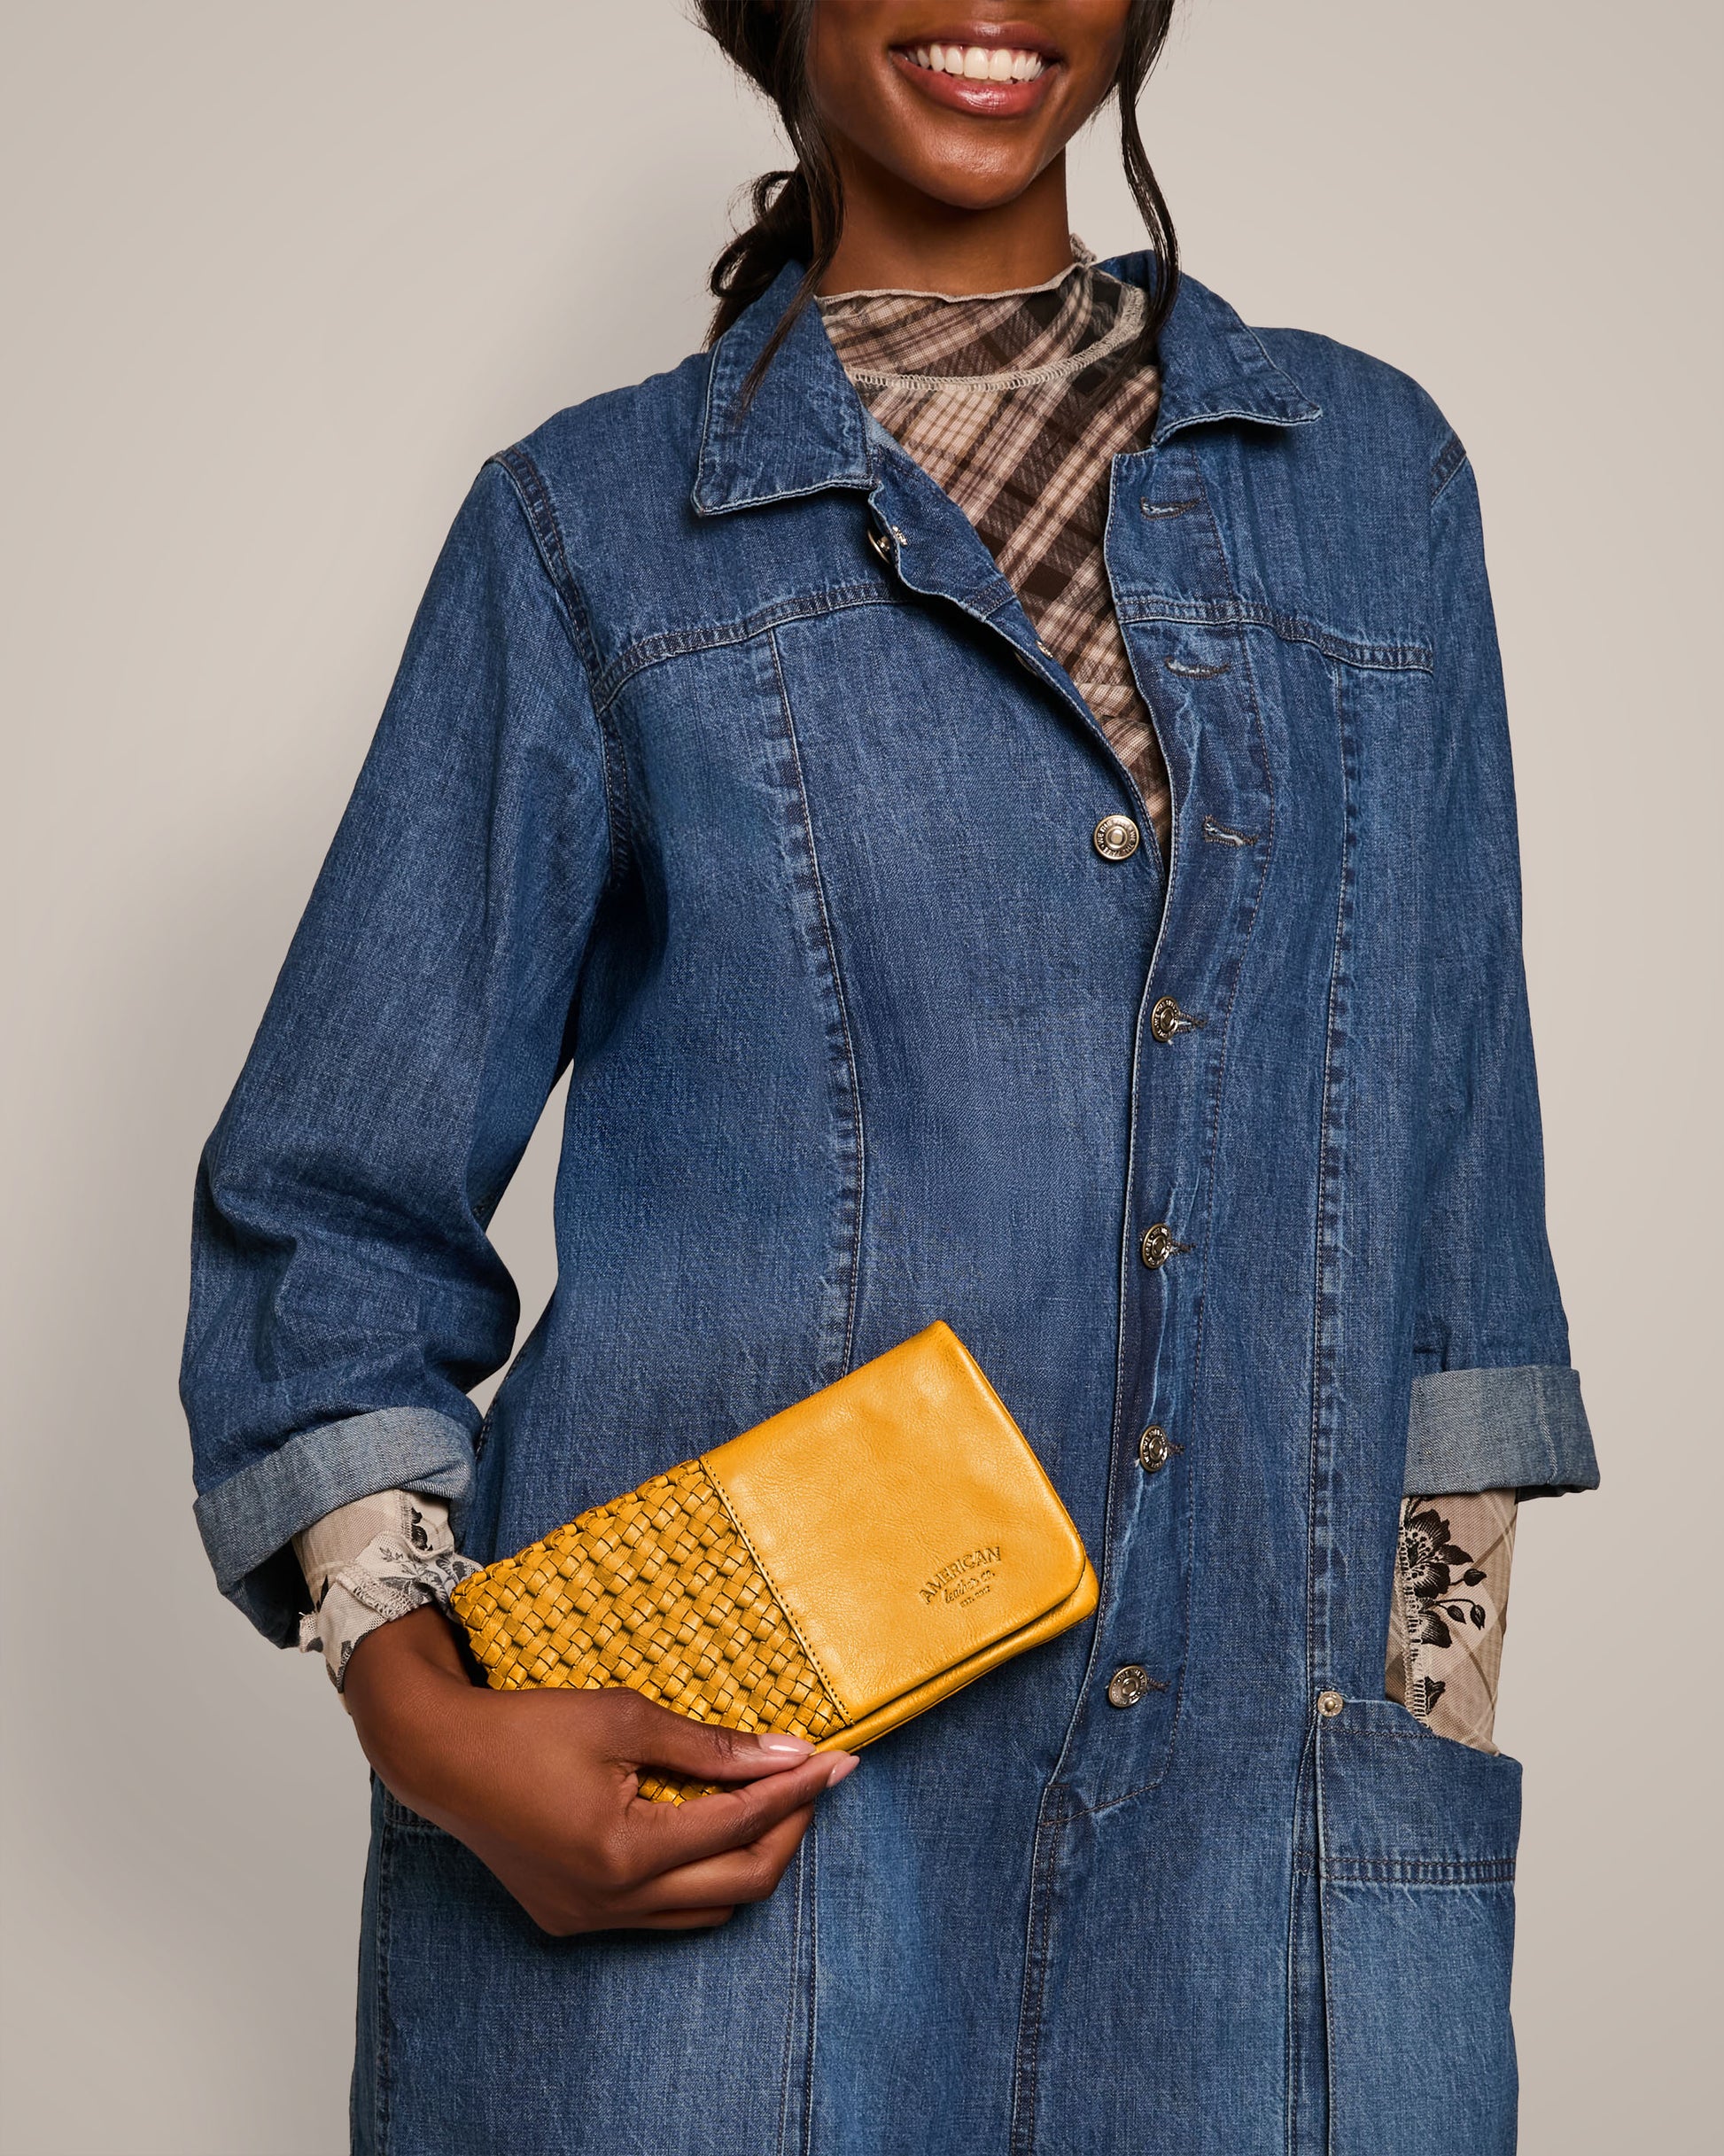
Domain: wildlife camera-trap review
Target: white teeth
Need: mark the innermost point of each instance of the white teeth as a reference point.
(980, 63)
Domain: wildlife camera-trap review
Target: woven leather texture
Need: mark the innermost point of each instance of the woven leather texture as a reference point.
(659, 1592)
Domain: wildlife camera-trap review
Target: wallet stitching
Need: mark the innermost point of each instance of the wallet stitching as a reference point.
(833, 1692)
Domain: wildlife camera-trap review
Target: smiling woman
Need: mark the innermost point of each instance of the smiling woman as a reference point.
(993, 780)
(931, 150)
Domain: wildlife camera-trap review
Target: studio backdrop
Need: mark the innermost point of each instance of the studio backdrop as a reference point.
(279, 279)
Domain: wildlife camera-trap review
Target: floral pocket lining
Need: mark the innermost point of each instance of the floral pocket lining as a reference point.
(1449, 1611)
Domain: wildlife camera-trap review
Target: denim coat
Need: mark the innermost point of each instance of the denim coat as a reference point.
(724, 769)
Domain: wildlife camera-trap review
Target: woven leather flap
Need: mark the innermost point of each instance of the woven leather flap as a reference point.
(902, 1518)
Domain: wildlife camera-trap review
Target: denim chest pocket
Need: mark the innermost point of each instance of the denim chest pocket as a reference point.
(1405, 1928)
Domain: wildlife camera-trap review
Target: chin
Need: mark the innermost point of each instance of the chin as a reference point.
(970, 188)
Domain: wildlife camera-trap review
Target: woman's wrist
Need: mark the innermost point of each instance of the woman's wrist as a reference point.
(403, 1680)
(370, 1564)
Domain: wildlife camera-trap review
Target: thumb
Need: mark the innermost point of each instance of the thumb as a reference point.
(647, 1735)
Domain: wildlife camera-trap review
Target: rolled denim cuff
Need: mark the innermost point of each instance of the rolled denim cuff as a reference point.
(1523, 1430)
(248, 1522)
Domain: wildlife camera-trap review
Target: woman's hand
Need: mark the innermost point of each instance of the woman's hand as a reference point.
(542, 1786)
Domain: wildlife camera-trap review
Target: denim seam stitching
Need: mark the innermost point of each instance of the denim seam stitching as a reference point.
(794, 2001)
(1315, 1740)
(1304, 1785)
(1450, 459)
(1331, 1167)
(1393, 658)
(534, 497)
(385, 1867)
(1025, 2075)
(1410, 1871)
(813, 1845)
(647, 651)
(859, 1191)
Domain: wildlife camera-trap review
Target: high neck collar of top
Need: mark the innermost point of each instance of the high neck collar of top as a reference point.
(1008, 339)
(802, 428)
(1083, 258)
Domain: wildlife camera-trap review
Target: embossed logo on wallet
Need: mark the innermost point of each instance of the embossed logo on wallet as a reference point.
(965, 1579)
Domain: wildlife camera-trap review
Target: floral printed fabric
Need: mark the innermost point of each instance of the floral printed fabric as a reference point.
(369, 1563)
(1449, 1612)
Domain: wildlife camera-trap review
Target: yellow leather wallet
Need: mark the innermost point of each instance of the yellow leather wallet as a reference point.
(830, 1573)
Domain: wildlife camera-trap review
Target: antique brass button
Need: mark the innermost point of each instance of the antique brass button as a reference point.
(1154, 1449)
(1116, 838)
(1330, 1704)
(1167, 1020)
(880, 544)
(1128, 1685)
(1159, 1245)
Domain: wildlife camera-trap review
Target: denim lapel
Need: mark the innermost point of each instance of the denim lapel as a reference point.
(1213, 366)
(805, 429)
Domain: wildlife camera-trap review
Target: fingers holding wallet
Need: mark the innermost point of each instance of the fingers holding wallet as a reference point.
(543, 1787)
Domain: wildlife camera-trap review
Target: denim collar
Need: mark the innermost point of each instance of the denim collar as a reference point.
(807, 429)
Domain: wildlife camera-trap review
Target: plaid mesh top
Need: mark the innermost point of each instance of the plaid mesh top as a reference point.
(1011, 403)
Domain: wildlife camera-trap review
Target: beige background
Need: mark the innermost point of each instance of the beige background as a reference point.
(279, 276)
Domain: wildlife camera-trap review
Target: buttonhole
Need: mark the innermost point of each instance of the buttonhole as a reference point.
(1157, 1684)
(1224, 835)
(1197, 673)
(1164, 508)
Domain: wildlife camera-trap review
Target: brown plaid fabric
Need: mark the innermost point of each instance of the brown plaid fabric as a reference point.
(1014, 404)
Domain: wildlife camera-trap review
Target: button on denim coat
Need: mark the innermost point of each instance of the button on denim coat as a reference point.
(724, 769)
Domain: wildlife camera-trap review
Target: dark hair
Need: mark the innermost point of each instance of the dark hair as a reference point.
(797, 214)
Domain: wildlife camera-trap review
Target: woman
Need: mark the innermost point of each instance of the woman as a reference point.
(994, 780)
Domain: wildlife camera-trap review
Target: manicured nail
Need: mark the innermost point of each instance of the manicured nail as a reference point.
(783, 1747)
(847, 1763)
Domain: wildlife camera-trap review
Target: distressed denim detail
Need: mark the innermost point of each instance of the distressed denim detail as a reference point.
(251, 1518)
(1523, 1430)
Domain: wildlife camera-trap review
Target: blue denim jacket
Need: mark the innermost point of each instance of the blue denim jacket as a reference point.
(724, 769)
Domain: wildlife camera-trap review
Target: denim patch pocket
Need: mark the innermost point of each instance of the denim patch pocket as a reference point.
(1415, 1863)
